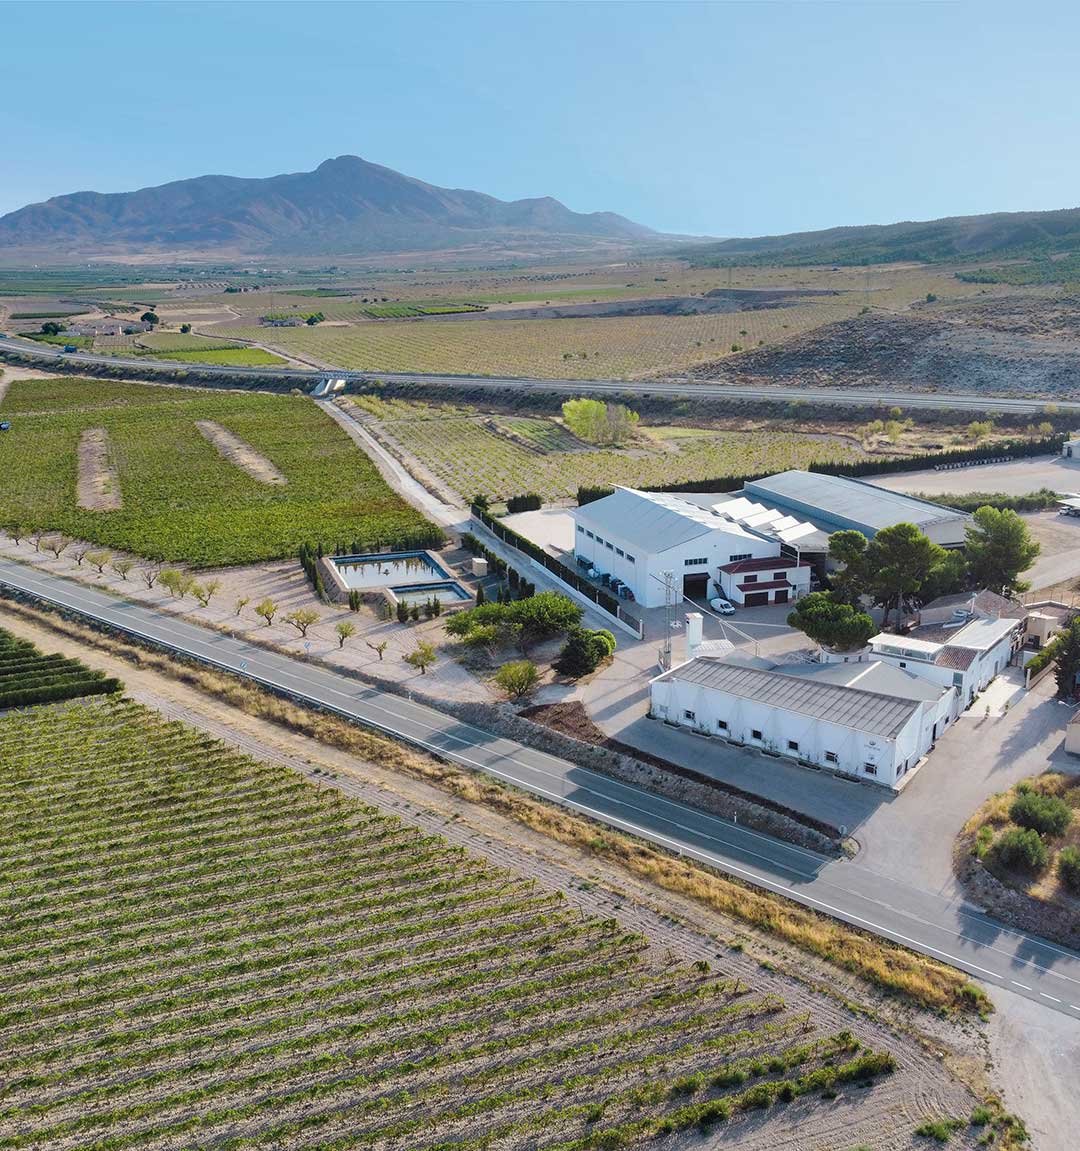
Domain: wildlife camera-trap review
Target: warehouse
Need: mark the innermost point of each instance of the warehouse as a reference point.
(839, 503)
(865, 720)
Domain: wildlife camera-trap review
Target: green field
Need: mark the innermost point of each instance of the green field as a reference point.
(27, 676)
(238, 357)
(181, 500)
(204, 951)
(504, 456)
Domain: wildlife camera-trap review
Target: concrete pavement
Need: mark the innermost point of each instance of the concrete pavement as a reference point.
(945, 928)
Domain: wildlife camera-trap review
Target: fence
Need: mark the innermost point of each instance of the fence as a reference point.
(578, 587)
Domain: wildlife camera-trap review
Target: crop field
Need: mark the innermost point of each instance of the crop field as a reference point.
(185, 348)
(473, 453)
(623, 347)
(181, 501)
(238, 357)
(28, 677)
(205, 951)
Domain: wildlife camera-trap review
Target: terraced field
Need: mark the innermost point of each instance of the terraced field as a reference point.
(204, 951)
(503, 456)
(180, 500)
(614, 347)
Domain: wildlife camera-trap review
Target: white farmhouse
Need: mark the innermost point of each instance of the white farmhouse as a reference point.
(867, 720)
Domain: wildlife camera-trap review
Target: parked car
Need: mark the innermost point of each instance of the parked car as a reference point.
(722, 606)
(70, 348)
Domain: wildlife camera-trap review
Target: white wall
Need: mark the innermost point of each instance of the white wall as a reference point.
(671, 699)
(974, 679)
(644, 574)
(798, 584)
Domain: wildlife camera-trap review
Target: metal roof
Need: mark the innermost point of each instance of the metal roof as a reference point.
(850, 501)
(867, 711)
(656, 520)
(872, 675)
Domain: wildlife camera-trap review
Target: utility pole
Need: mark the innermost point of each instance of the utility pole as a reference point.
(669, 604)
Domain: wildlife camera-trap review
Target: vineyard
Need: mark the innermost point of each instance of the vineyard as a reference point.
(28, 677)
(503, 456)
(185, 347)
(622, 347)
(204, 951)
(181, 501)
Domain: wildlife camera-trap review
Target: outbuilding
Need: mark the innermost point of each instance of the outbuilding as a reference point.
(862, 719)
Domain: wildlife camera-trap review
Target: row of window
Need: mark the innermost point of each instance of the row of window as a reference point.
(703, 562)
(754, 578)
(608, 544)
(792, 744)
(738, 556)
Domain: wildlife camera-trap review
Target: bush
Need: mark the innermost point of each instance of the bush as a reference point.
(1068, 868)
(529, 502)
(1045, 814)
(586, 494)
(1022, 849)
(517, 678)
(584, 651)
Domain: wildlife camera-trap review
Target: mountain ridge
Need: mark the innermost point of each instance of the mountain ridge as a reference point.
(347, 206)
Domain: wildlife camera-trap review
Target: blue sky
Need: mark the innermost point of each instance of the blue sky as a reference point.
(721, 119)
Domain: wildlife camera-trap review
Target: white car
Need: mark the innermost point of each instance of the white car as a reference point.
(722, 607)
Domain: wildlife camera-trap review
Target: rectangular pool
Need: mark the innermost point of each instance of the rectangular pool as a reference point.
(443, 591)
(368, 572)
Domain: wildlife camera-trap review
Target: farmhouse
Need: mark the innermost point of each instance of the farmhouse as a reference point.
(867, 720)
(637, 536)
(1070, 449)
(838, 503)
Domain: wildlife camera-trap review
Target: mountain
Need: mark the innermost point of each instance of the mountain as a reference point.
(347, 206)
(1036, 236)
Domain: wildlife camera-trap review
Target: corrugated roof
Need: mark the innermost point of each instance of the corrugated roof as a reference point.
(872, 675)
(657, 519)
(848, 499)
(867, 711)
(956, 658)
(769, 563)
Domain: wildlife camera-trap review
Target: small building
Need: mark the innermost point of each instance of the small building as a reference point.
(1045, 618)
(751, 583)
(965, 653)
(1070, 449)
(1072, 734)
(839, 503)
(867, 720)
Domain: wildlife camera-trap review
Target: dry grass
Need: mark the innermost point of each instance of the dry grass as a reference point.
(886, 965)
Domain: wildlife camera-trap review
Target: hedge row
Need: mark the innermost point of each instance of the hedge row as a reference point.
(28, 677)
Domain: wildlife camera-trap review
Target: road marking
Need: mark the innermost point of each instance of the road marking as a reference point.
(1050, 997)
(1023, 985)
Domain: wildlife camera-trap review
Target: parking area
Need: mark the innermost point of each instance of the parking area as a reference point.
(1016, 478)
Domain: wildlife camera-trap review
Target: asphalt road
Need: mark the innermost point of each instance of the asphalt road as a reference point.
(669, 387)
(948, 930)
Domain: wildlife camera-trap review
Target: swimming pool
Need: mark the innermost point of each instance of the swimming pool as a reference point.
(422, 592)
(373, 571)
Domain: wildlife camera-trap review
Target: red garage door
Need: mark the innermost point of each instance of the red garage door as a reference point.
(756, 598)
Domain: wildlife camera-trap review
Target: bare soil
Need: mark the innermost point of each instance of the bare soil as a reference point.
(240, 453)
(99, 484)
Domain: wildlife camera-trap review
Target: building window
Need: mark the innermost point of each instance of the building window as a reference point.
(581, 529)
(779, 575)
(793, 745)
(599, 539)
(696, 563)
(721, 724)
(903, 663)
(629, 558)
(619, 552)
(831, 757)
(739, 556)
(590, 535)
(958, 679)
(691, 716)
(750, 579)
(610, 546)
(755, 734)
(870, 768)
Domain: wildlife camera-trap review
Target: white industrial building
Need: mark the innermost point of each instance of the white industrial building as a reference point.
(862, 719)
(636, 536)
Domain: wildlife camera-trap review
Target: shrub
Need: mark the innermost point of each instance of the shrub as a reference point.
(517, 678)
(1068, 867)
(529, 502)
(587, 494)
(1022, 849)
(584, 651)
(1045, 814)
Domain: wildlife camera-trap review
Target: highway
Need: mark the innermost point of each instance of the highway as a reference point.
(947, 929)
(682, 389)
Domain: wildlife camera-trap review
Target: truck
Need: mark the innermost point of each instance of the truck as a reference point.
(70, 348)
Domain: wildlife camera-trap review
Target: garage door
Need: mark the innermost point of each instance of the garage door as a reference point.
(696, 585)
(781, 595)
(756, 598)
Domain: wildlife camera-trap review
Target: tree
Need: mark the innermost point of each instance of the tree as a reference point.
(122, 566)
(302, 619)
(517, 678)
(241, 603)
(79, 553)
(149, 577)
(1067, 658)
(98, 560)
(898, 561)
(422, 656)
(832, 623)
(979, 429)
(848, 548)
(51, 328)
(345, 630)
(584, 651)
(378, 648)
(17, 532)
(999, 548)
(267, 609)
(599, 422)
(150, 318)
(210, 588)
(402, 611)
(58, 544)
(946, 578)
(543, 616)
(185, 329)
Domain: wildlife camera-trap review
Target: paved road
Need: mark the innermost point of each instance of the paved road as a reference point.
(945, 929)
(668, 387)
